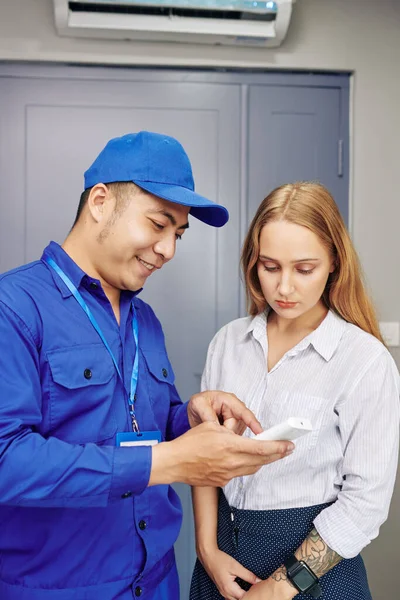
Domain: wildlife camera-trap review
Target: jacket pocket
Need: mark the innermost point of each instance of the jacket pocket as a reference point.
(160, 384)
(82, 389)
(159, 366)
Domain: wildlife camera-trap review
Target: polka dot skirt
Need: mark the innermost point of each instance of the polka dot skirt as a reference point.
(261, 540)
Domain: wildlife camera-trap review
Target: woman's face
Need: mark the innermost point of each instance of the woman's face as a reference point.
(293, 268)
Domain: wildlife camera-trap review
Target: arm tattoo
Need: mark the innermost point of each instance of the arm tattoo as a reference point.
(281, 575)
(317, 554)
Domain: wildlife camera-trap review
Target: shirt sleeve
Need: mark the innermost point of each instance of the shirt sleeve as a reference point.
(369, 428)
(178, 420)
(39, 471)
(206, 378)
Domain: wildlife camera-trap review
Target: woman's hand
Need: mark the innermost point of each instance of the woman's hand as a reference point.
(271, 589)
(223, 570)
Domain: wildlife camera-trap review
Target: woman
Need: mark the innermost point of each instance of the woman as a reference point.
(310, 348)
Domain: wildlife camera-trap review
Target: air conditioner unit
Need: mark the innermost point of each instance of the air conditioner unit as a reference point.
(232, 22)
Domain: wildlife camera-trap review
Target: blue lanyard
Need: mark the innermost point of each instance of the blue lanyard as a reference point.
(135, 329)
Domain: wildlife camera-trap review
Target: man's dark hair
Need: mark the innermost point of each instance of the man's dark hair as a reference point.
(119, 189)
(82, 202)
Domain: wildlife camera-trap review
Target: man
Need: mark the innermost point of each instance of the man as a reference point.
(87, 393)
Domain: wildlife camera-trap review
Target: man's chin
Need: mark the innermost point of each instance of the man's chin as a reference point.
(136, 284)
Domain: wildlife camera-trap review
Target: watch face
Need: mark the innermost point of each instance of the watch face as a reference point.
(304, 579)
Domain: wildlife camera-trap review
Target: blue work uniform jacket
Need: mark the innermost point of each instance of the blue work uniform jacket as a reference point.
(77, 520)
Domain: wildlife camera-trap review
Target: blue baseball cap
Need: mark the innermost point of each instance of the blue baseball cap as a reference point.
(158, 164)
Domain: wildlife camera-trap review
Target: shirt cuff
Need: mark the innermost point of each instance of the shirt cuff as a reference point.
(339, 532)
(131, 471)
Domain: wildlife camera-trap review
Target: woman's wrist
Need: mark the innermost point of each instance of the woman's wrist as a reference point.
(281, 586)
(279, 590)
(206, 549)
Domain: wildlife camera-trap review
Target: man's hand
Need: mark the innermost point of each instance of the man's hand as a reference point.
(223, 408)
(211, 455)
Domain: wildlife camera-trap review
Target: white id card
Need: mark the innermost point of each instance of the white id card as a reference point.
(139, 438)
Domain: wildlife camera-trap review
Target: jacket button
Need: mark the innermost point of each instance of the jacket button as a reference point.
(126, 495)
(138, 591)
(165, 372)
(142, 525)
(87, 373)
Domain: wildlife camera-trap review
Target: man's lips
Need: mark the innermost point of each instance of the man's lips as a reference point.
(148, 265)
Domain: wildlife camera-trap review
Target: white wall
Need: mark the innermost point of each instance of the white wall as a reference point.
(358, 35)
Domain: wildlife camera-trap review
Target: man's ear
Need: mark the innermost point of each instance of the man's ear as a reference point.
(100, 202)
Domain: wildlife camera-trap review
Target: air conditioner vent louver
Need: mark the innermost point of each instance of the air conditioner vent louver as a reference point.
(167, 11)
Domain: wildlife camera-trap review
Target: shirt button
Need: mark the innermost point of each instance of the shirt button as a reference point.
(126, 495)
(138, 591)
(165, 372)
(93, 285)
(87, 373)
(142, 525)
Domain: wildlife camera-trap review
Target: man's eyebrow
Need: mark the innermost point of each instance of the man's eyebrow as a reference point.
(300, 260)
(165, 213)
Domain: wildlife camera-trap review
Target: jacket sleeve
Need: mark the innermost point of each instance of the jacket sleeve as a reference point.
(48, 472)
(178, 422)
(369, 428)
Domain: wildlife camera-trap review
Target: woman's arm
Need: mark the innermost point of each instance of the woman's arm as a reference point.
(369, 429)
(205, 509)
(316, 554)
(220, 567)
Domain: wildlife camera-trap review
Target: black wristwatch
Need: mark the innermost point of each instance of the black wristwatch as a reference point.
(302, 577)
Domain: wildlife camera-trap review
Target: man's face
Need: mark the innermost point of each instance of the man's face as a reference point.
(138, 240)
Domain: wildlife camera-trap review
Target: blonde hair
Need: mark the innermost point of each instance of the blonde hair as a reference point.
(311, 205)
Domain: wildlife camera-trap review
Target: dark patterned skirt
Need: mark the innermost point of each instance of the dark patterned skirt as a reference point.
(261, 539)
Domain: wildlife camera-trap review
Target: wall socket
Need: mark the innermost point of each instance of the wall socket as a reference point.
(390, 332)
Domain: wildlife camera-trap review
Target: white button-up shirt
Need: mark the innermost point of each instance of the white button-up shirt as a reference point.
(346, 382)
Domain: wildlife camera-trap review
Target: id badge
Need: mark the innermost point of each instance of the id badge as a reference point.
(139, 438)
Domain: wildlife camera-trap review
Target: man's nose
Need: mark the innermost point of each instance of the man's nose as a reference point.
(166, 247)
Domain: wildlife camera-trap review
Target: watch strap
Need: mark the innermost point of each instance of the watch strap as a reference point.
(315, 591)
(291, 563)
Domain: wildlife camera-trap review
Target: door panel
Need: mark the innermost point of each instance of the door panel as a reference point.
(294, 135)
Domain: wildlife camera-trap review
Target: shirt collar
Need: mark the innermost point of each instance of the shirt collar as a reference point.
(325, 339)
(78, 277)
(257, 326)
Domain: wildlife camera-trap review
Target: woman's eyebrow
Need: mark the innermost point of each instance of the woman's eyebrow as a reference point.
(263, 257)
